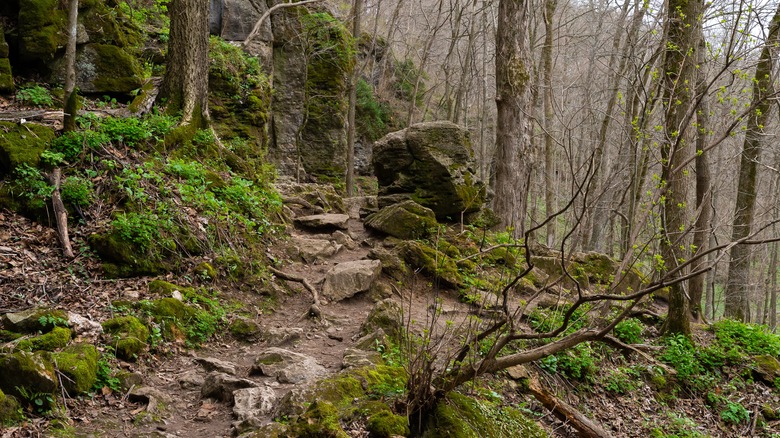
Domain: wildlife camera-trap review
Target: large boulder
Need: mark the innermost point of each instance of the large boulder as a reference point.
(432, 164)
(6, 78)
(32, 372)
(287, 366)
(22, 144)
(404, 220)
(347, 279)
(233, 20)
(105, 68)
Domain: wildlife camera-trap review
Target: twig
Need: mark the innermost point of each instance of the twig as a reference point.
(60, 214)
(314, 310)
(617, 343)
(271, 10)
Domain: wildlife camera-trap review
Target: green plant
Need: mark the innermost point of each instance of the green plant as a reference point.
(106, 377)
(753, 339)
(54, 321)
(28, 183)
(78, 191)
(577, 362)
(629, 330)
(622, 380)
(734, 413)
(680, 353)
(139, 229)
(371, 115)
(679, 426)
(35, 95)
(40, 402)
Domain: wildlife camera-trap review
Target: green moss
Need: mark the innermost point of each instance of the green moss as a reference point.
(163, 288)
(125, 259)
(7, 336)
(78, 363)
(55, 339)
(244, 329)
(6, 76)
(460, 416)
(205, 271)
(22, 144)
(36, 320)
(10, 410)
(128, 334)
(181, 321)
(32, 371)
(41, 29)
(321, 420)
(405, 220)
(432, 262)
(385, 424)
(117, 71)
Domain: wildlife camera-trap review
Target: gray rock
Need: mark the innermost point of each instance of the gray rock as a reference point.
(287, 366)
(191, 379)
(253, 402)
(29, 370)
(431, 163)
(385, 315)
(392, 265)
(404, 220)
(278, 336)
(343, 239)
(312, 250)
(233, 20)
(356, 358)
(518, 372)
(221, 386)
(372, 341)
(148, 395)
(103, 68)
(33, 320)
(327, 221)
(212, 364)
(347, 279)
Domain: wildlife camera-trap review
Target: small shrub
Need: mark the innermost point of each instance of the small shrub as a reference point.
(77, 191)
(622, 381)
(629, 331)
(105, 374)
(35, 95)
(753, 339)
(577, 362)
(734, 413)
(129, 131)
(139, 229)
(29, 184)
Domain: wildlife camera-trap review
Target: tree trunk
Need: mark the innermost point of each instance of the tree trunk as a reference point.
(512, 125)
(357, 7)
(185, 85)
(738, 283)
(681, 47)
(71, 98)
(702, 227)
(549, 171)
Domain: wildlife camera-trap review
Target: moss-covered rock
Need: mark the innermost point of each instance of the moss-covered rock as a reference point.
(22, 144)
(405, 220)
(385, 315)
(385, 424)
(32, 371)
(321, 420)
(206, 271)
(165, 289)
(431, 261)
(244, 329)
(128, 336)
(78, 363)
(6, 76)
(105, 68)
(124, 259)
(54, 340)
(459, 416)
(181, 321)
(10, 410)
(35, 320)
(41, 30)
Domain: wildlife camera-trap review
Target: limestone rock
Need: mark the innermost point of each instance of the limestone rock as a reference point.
(347, 279)
(278, 336)
(213, 364)
(385, 315)
(191, 379)
(81, 326)
(327, 221)
(392, 265)
(233, 20)
(287, 366)
(22, 144)
(149, 395)
(253, 402)
(78, 363)
(32, 371)
(312, 250)
(404, 220)
(767, 368)
(518, 372)
(244, 329)
(356, 358)
(221, 386)
(430, 163)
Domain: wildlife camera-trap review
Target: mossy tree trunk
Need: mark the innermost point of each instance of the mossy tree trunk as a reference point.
(357, 7)
(549, 141)
(185, 85)
(737, 286)
(679, 103)
(513, 99)
(71, 99)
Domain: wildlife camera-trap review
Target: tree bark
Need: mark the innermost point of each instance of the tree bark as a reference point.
(513, 156)
(737, 285)
(680, 58)
(547, 98)
(565, 412)
(71, 99)
(185, 85)
(357, 7)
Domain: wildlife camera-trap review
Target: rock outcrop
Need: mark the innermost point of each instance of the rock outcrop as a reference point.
(432, 164)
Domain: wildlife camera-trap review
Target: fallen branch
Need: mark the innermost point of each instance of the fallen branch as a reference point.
(585, 427)
(271, 10)
(314, 310)
(60, 214)
(617, 343)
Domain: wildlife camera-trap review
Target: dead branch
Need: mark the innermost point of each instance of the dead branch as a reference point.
(60, 214)
(271, 10)
(314, 310)
(617, 343)
(585, 427)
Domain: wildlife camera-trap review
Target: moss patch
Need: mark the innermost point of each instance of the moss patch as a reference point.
(55, 339)
(41, 30)
(6, 76)
(464, 417)
(385, 424)
(432, 262)
(22, 144)
(129, 336)
(321, 420)
(116, 70)
(79, 364)
(125, 259)
(32, 371)
(405, 220)
(10, 410)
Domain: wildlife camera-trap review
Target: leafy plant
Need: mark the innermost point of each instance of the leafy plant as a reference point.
(577, 362)
(753, 339)
(78, 191)
(629, 330)
(39, 402)
(371, 115)
(105, 374)
(139, 229)
(622, 380)
(29, 184)
(35, 95)
(51, 320)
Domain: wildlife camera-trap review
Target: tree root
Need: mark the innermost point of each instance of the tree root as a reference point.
(314, 310)
(585, 427)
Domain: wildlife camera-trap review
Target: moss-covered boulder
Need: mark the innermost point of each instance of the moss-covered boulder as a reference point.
(459, 416)
(22, 144)
(206, 271)
(163, 288)
(431, 261)
(53, 340)
(589, 270)
(767, 368)
(321, 420)
(10, 410)
(244, 329)
(32, 371)
(105, 68)
(6, 77)
(41, 30)
(385, 315)
(182, 322)
(78, 362)
(405, 220)
(40, 319)
(385, 424)
(431, 163)
(128, 336)
(124, 259)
